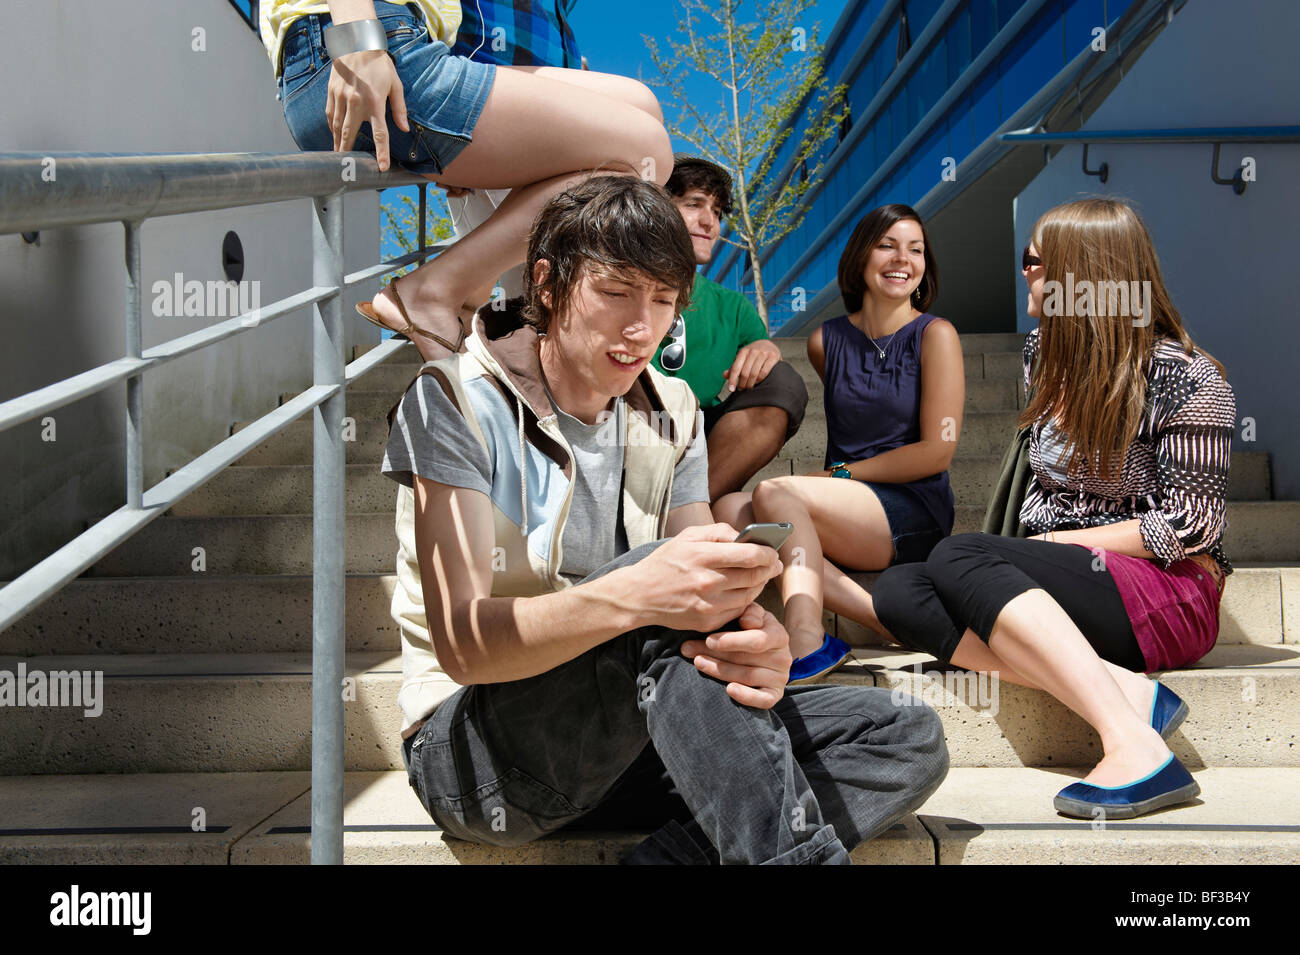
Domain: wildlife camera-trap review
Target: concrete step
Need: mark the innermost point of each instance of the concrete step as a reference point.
(392, 378)
(287, 489)
(145, 819)
(1258, 532)
(257, 544)
(978, 816)
(364, 442)
(251, 712)
(364, 403)
(284, 489)
(272, 614)
(201, 613)
(975, 343)
(265, 818)
(1005, 817)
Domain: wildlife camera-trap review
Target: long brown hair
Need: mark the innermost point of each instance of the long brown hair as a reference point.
(1092, 367)
(866, 235)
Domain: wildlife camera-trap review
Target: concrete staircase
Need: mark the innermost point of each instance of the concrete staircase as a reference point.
(201, 751)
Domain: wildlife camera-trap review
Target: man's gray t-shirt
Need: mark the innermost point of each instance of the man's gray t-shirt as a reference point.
(430, 438)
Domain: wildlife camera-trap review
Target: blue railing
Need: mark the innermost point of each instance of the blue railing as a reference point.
(923, 115)
(248, 11)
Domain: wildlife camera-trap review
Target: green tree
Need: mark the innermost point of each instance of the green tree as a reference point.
(770, 73)
(400, 209)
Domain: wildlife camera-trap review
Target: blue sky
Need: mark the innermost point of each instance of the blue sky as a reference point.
(609, 34)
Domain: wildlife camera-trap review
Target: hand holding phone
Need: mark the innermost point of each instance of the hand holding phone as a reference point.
(773, 535)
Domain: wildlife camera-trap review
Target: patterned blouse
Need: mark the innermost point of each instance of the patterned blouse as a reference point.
(1175, 475)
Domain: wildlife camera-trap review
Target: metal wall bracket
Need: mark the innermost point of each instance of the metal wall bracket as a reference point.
(1102, 172)
(1237, 182)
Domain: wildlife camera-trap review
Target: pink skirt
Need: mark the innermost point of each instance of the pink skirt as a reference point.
(1174, 612)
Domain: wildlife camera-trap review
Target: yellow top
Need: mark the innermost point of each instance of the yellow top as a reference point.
(441, 16)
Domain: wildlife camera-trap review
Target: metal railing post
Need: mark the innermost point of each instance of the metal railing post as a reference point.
(420, 237)
(328, 540)
(135, 383)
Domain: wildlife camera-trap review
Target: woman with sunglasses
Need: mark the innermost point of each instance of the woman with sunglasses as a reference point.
(894, 390)
(1130, 426)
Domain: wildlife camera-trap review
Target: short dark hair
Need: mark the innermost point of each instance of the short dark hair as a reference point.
(620, 222)
(865, 236)
(692, 172)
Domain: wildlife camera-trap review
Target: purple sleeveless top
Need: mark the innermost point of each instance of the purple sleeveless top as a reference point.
(874, 405)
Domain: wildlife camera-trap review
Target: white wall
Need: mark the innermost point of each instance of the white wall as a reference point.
(122, 76)
(1230, 261)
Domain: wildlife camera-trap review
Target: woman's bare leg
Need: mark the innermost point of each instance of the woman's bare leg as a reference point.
(1037, 639)
(841, 593)
(536, 136)
(974, 654)
(842, 520)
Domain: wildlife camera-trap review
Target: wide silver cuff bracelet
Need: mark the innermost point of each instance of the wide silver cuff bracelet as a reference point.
(354, 37)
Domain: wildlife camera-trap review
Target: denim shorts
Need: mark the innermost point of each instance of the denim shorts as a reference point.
(914, 531)
(444, 94)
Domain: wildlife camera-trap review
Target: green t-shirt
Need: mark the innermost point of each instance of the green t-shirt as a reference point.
(718, 324)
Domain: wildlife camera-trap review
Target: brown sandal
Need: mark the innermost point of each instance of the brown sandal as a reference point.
(366, 310)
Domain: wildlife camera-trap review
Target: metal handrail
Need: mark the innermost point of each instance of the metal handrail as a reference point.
(1218, 135)
(131, 188)
(1195, 134)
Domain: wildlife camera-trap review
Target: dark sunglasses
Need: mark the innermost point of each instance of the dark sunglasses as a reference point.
(674, 354)
(1029, 261)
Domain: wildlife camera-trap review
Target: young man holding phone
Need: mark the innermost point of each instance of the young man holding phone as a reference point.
(607, 673)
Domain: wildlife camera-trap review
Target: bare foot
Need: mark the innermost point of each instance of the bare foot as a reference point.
(1137, 759)
(427, 311)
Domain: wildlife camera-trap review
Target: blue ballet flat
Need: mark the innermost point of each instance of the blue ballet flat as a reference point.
(821, 661)
(1168, 710)
(1166, 786)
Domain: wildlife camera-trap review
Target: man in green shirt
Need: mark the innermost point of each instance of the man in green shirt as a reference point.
(753, 402)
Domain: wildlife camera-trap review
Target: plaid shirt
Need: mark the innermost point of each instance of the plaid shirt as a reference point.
(524, 33)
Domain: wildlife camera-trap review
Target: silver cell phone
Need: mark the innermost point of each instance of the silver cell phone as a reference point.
(773, 535)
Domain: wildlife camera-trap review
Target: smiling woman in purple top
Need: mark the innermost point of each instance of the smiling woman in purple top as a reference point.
(895, 387)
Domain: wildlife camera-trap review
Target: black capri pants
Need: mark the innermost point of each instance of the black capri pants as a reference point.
(969, 578)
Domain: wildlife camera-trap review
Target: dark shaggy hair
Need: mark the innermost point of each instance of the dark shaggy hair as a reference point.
(865, 237)
(620, 223)
(691, 172)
